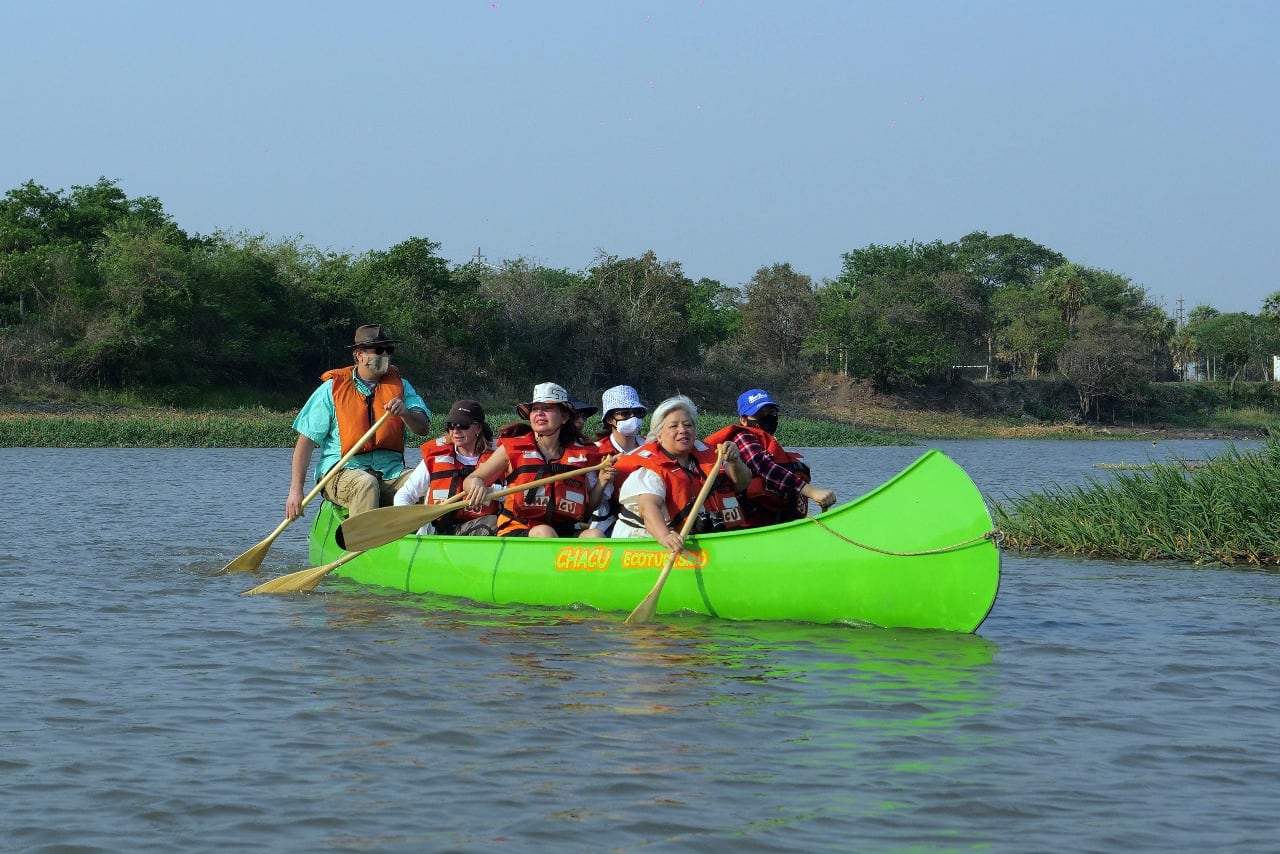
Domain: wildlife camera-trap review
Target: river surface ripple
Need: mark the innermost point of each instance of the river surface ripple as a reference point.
(146, 706)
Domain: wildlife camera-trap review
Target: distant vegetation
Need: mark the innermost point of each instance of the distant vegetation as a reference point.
(105, 294)
(1223, 510)
(262, 428)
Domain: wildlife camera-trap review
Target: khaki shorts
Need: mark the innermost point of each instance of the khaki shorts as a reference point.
(359, 490)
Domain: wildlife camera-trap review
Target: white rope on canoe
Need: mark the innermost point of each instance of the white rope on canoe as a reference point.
(994, 534)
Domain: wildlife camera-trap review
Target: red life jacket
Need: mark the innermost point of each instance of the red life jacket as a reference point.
(356, 412)
(682, 485)
(446, 473)
(564, 501)
(611, 509)
(764, 506)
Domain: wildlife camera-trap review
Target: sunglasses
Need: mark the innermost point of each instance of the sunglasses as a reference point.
(450, 426)
(627, 413)
(380, 350)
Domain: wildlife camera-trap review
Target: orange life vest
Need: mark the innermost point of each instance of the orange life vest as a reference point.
(610, 509)
(562, 502)
(445, 475)
(764, 506)
(356, 412)
(682, 485)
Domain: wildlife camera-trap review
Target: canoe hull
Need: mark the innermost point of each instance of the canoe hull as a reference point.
(914, 552)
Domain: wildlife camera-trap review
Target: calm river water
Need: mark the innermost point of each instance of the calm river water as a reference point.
(147, 706)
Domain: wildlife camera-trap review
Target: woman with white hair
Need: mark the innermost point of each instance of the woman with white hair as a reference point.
(665, 475)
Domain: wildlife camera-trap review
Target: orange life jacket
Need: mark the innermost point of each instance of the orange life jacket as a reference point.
(564, 501)
(764, 506)
(356, 412)
(445, 475)
(683, 485)
(610, 509)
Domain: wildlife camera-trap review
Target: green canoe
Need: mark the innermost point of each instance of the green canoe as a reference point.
(917, 551)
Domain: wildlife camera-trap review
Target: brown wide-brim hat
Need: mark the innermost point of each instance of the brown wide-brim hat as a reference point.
(372, 335)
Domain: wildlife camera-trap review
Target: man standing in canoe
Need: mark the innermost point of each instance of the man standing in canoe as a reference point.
(780, 490)
(341, 411)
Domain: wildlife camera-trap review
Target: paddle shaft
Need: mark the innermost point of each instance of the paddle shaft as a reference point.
(645, 610)
(252, 559)
(375, 528)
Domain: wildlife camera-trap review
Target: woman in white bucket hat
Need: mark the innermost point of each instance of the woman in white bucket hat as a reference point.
(621, 422)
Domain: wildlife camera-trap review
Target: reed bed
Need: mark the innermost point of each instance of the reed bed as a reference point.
(1221, 510)
(262, 428)
(147, 429)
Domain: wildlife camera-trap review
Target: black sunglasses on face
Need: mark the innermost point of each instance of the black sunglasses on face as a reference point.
(626, 413)
(450, 426)
(380, 350)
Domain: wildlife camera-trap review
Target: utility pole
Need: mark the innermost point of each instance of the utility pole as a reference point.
(1180, 321)
(479, 256)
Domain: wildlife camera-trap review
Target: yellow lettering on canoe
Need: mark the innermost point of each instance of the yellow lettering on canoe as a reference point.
(636, 559)
(580, 559)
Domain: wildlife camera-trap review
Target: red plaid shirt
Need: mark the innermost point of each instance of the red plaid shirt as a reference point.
(777, 478)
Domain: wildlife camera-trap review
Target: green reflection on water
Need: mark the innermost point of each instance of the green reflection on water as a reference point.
(808, 724)
(915, 678)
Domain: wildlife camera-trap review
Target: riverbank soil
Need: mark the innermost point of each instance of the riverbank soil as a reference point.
(999, 409)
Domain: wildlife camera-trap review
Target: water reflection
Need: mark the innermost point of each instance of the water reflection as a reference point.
(867, 676)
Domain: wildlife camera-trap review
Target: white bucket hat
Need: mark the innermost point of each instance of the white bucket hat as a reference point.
(622, 397)
(546, 393)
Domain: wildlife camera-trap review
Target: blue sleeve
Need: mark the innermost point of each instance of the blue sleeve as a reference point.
(412, 400)
(318, 418)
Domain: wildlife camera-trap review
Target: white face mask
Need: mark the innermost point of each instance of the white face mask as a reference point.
(378, 364)
(629, 427)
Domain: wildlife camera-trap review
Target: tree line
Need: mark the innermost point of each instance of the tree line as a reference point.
(99, 290)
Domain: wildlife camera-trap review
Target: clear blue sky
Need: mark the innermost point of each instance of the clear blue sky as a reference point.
(1139, 137)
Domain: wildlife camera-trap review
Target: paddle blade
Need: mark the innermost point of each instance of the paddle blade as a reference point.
(247, 562)
(375, 528)
(645, 610)
(649, 605)
(252, 559)
(302, 581)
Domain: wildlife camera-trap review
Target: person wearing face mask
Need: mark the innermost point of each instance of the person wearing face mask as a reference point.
(619, 432)
(341, 410)
(780, 488)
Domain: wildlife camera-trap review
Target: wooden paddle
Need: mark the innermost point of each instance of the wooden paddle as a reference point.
(379, 532)
(252, 559)
(645, 610)
(303, 580)
(374, 528)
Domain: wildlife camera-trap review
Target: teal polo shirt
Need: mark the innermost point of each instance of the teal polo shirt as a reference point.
(318, 421)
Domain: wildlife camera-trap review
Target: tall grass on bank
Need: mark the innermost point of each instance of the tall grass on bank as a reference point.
(262, 428)
(147, 429)
(1224, 510)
